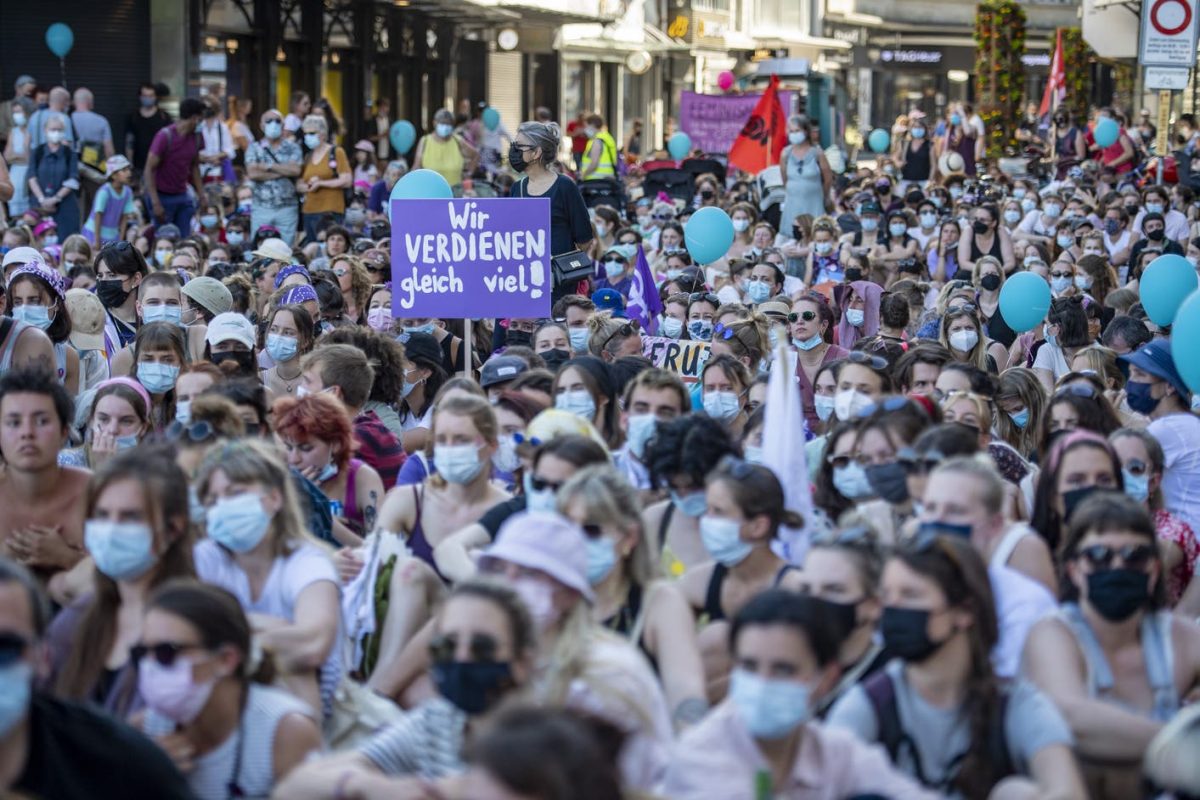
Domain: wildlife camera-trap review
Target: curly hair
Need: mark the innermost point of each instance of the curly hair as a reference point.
(360, 282)
(315, 416)
(385, 355)
(690, 446)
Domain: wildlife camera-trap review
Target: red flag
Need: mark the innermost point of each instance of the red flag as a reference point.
(1056, 87)
(764, 135)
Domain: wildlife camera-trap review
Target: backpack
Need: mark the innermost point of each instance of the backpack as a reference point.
(881, 692)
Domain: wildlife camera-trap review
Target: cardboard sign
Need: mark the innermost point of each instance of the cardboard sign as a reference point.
(684, 358)
(471, 258)
(713, 121)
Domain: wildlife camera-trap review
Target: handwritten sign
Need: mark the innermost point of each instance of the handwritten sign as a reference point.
(715, 120)
(471, 258)
(684, 358)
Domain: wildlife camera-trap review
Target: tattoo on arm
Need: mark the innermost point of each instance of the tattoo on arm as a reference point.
(369, 512)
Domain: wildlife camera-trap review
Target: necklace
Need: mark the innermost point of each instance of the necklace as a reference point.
(289, 384)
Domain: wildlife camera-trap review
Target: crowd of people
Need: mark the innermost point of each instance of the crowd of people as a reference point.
(262, 537)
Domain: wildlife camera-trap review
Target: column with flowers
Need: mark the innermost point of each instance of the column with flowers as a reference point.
(999, 72)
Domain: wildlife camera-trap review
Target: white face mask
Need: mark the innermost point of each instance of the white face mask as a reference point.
(55, 137)
(848, 403)
(963, 341)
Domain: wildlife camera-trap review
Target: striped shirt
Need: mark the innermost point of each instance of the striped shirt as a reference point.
(426, 743)
(379, 447)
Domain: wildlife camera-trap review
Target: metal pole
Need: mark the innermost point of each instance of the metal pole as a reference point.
(468, 355)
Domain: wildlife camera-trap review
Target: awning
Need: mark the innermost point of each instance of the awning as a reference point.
(785, 40)
(546, 15)
(466, 12)
(653, 41)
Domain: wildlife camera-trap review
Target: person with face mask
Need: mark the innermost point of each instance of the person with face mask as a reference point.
(763, 735)
(325, 176)
(916, 152)
(963, 138)
(272, 165)
(444, 151)
(805, 172)
(54, 177)
(14, 126)
(653, 398)
(1114, 608)
(45, 735)
(939, 620)
(119, 419)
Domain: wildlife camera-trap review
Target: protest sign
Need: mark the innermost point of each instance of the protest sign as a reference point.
(715, 120)
(471, 258)
(684, 358)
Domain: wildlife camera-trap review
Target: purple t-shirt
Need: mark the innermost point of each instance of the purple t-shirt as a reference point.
(177, 153)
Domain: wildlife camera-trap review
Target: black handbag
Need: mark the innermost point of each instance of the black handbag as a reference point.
(570, 267)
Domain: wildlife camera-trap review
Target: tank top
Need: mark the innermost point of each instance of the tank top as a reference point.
(9, 344)
(916, 162)
(60, 360)
(712, 595)
(417, 543)
(993, 251)
(443, 158)
(1157, 651)
(243, 765)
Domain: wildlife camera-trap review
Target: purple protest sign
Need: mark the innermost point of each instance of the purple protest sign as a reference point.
(713, 121)
(471, 258)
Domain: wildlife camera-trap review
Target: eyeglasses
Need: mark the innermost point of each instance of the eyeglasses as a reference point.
(12, 647)
(164, 653)
(197, 432)
(807, 316)
(1133, 556)
(483, 647)
(859, 357)
(704, 297)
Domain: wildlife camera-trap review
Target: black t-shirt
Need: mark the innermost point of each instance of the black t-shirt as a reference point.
(569, 222)
(496, 516)
(78, 752)
(143, 130)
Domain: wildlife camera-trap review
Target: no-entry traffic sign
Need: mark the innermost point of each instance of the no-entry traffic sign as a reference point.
(1168, 34)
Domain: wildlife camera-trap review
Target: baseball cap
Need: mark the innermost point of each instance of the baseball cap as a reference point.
(274, 249)
(547, 542)
(25, 80)
(20, 255)
(364, 145)
(210, 293)
(87, 319)
(1155, 357)
(167, 231)
(230, 327)
(423, 346)
(114, 164)
(625, 251)
(609, 300)
(870, 207)
(501, 369)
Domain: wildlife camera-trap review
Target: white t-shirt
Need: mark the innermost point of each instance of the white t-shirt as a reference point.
(1179, 435)
(1020, 602)
(1050, 357)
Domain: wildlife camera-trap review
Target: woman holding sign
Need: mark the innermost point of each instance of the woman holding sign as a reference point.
(534, 152)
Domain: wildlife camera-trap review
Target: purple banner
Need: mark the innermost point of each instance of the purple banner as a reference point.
(471, 258)
(713, 121)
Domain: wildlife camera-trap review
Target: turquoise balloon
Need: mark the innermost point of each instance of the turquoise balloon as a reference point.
(1024, 301)
(1106, 132)
(491, 118)
(1185, 332)
(403, 135)
(60, 39)
(708, 234)
(1164, 285)
(420, 184)
(679, 145)
(879, 140)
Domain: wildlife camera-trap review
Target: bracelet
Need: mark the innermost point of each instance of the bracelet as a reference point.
(339, 788)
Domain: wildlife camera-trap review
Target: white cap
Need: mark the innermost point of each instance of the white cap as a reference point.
(274, 249)
(230, 326)
(20, 255)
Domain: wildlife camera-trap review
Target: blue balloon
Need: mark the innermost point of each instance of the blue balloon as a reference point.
(403, 135)
(679, 145)
(1185, 332)
(1106, 131)
(1024, 301)
(708, 234)
(879, 140)
(60, 39)
(491, 118)
(420, 184)
(1164, 286)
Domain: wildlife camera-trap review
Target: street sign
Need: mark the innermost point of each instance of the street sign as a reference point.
(1172, 78)
(1168, 33)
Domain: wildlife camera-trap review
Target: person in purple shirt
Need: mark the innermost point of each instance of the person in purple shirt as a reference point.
(173, 163)
(382, 190)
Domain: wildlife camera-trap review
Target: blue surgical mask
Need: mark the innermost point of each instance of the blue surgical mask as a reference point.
(538, 500)
(126, 442)
(671, 327)
(870, 224)
(691, 505)
(723, 541)
(601, 558)
(614, 269)
(1059, 285)
(1137, 486)
(579, 339)
(928, 219)
(312, 141)
(578, 402)
(770, 708)
(641, 430)
(1154, 208)
(897, 228)
(37, 316)
(157, 378)
(811, 343)
(16, 689)
(329, 473)
(239, 522)
(753, 454)
(1028, 204)
(823, 404)
(1020, 418)
(122, 550)
(457, 463)
(1065, 241)
(1050, 338)
(183, 411)
(282, 348)
(208, 220)
(855, 316)
(427, 328)
(444, 129)
(234, 237)
(273, 129)
(918, 133)
(722, 406)
(851, 481)
(701, 329)
(162, 313)
(758, 291)
(505, 459)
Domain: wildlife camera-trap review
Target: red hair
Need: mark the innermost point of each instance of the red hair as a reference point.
(315, 416)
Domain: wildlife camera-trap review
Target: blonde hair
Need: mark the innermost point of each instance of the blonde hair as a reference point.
(977, 356)
(607, 496)
(475, 408)
(604, 328)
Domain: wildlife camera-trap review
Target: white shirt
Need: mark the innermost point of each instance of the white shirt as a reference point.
(923, 239)
(1176, 225)
(216, 140)
(1020, 602)
(1179, 435)
(1050, 357)
(1037, 223)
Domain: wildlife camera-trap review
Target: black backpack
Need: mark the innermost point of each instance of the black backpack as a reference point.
(881, 692)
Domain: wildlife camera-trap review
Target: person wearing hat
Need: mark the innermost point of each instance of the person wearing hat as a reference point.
(230, 344)
(499, 371)
(205, 298)
(868, 236)
(1156, 390)
(618, 262)
(87, 337)
(276, 250)
(365, 170)
(423, 379)
(35, 296)
(272, 165)
(112, 208)
(18, 257)
(609, 300)
(160, 298)
(961, 138)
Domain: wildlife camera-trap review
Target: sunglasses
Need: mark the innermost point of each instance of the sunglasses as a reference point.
(704, 297)
(965, 308)
(541, 485)
(12, 647)
(807, 316)
(859, 357)
(625, 331)
(164, 653)
(483, 647)
(1076, 390)
(723, 331)
(1133, 556)
(1061, 274)
(197, 432)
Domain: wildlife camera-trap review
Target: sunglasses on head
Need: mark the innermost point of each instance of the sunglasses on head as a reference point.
(704, 297)
(964, 308)
(1076, 390)
(1133, 556)
(200, 431)
(723, 331)
(443, 648)
(164, 653)
(807, 316)
(859, 357)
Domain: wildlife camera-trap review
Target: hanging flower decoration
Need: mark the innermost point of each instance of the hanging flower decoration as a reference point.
(999, 72)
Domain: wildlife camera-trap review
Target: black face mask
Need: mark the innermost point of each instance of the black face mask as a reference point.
(1118, 593)
(853, 274)
(516, 159)
(935, 528)
(980, 226)
(112, 292)
(706, 194)
(1156, 236)
(515, 338)
(1073, 498)
(843, 616)
(906, 634)
(555, 358)
(990, 282)
(797, 232)
(889, 481)
(472, 686)
(245, 360)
